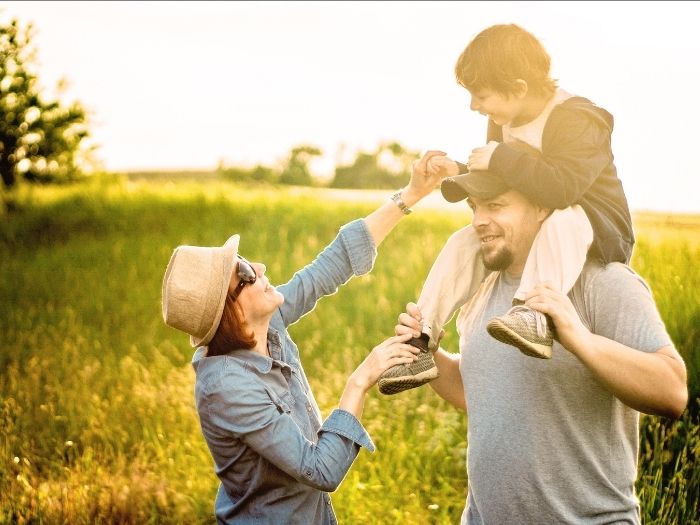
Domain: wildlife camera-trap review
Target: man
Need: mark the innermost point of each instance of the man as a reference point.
(553, 441)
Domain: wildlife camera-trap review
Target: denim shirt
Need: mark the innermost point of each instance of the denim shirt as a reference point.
(275, 459)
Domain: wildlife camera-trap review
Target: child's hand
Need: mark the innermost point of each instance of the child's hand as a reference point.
(442, 166)
(481, 157)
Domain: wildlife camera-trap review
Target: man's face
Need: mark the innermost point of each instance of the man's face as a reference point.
(507, 225)
(501, 109)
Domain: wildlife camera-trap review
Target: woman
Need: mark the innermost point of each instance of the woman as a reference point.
(275, 459)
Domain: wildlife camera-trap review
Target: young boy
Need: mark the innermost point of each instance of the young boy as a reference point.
(554, 148)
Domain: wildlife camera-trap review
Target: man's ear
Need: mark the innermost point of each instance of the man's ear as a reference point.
(521, 88)
(543, 213)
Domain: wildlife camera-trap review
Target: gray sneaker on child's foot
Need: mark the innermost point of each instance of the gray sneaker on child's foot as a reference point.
(404, 377)
(526, 329)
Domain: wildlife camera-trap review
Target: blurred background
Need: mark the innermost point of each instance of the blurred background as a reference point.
(129, 128)
(201, 85)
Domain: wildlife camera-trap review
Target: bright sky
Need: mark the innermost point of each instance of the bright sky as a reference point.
(187, 84)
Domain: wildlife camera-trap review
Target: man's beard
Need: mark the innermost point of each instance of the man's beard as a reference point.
(498, 261)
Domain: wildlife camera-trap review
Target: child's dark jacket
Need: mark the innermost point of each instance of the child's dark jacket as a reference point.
(576, 167)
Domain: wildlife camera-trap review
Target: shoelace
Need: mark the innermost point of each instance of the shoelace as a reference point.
(540, 319)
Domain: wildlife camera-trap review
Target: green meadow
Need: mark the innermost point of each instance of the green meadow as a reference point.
(96, 393)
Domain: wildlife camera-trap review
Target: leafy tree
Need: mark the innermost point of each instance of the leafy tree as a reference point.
(365, 172)
(296, 170)
(402, 156)
(388, 167)
(259, 173)
(39, 139)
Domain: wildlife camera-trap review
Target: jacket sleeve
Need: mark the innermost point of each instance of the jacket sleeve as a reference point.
(576, 150)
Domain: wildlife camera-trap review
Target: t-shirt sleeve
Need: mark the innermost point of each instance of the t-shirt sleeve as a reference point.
(619, 305)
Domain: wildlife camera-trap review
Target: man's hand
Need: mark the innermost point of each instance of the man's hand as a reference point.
(411, 322)
(650, 382)
(481, 157)
(571, 332)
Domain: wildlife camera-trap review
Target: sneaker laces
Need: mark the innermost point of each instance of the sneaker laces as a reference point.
(540, 319)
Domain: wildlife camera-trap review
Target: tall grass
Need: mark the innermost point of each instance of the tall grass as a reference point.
(96, 409)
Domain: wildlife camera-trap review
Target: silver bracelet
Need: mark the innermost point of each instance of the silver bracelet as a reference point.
(396, 197)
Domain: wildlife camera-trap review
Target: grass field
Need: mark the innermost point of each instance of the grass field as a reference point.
(96, 406)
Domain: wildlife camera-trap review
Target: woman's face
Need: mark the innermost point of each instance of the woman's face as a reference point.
(258, 299)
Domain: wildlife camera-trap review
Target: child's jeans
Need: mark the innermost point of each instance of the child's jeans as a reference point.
(557, 255)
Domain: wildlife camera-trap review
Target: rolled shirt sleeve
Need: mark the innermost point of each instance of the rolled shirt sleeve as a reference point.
(264, 424)
(345, 424)
(359, 246)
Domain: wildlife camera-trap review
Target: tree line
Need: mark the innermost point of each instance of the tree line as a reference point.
(44, 139)
(388, 166)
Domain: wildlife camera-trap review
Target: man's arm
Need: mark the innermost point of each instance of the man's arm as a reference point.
(653, 383)
(650, 382)
(449, 384)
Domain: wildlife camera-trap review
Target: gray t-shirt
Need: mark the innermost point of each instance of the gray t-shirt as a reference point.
(547, 443)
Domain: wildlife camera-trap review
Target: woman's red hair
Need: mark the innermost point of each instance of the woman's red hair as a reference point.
(233, 332)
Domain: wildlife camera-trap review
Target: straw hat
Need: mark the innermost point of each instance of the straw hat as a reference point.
(195, 286)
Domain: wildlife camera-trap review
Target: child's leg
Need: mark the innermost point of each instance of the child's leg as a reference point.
(454, 277)
(558, 252)
(557, 255)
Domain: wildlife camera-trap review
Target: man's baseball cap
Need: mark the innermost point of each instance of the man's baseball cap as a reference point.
(480, 184)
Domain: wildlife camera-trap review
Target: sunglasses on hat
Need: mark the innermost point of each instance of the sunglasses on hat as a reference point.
(246, 274)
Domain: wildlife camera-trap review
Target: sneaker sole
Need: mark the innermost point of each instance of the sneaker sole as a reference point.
(394, 385)
(500, 331)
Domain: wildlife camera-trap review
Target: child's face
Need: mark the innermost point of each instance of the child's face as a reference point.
(500, 108)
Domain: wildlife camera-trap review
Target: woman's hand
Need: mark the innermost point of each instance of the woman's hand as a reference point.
(442, 166)
(391, 352)
(423, 181)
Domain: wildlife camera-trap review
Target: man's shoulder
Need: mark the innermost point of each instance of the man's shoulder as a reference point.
(598, 269)
(606, 279)
(615, 302)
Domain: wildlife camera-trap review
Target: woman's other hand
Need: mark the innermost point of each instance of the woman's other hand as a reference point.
(391, 352)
